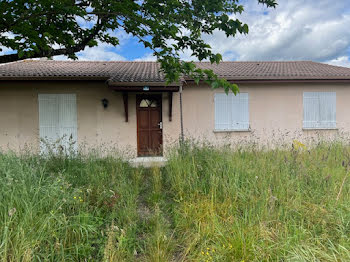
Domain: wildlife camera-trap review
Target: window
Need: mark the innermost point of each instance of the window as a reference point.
(57, 122)
(231, 112)
(319, 110)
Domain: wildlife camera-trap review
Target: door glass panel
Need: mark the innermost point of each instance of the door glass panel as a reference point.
(148, 103)
(144, 103)
(154, 103)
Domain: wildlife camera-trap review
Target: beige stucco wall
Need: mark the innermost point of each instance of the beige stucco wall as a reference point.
(276, 115)
(98, 128)
(275, 112)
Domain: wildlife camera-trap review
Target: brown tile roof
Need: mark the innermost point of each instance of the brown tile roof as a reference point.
(291, 70)
(148, 72)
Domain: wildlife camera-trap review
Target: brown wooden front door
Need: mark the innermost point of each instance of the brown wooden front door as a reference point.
(149, 125)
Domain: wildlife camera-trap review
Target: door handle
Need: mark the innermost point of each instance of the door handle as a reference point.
(160, 124)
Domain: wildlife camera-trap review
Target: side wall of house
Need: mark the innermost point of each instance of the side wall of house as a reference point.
(275, 113)
(98, 128)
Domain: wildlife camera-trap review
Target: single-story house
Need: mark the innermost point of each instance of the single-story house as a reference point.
(128, 106)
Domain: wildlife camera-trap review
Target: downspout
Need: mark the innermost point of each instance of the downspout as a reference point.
(181, 117)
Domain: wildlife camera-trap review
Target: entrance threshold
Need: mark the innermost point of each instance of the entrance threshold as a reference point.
(151, 161)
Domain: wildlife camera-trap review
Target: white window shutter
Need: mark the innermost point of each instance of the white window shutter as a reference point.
(311, 110)
(57, 122)
(68, 121)
(319, 110)
(240, 111)
(231, 111)
(222, 112)
(327, 109)
(48, 120)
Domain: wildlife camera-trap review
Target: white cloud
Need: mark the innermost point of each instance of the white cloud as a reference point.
(147, 57)
(102, 52)
(5, 50)
(295, 30)
(340, 61)
(99, 53)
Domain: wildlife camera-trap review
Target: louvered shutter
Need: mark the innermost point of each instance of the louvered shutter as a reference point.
(68, 121)
(327, 109)
(48, 120)
(231, 112)
(222, 112)
(57, 121)
(240, 111)
(319, 110)
(311, 110)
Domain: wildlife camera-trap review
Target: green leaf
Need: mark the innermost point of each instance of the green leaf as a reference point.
(20, 53)
(245, 28)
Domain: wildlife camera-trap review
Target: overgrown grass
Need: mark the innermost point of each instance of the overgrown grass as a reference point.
(206, 204)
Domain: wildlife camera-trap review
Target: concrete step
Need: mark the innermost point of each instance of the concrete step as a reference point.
(148, 161)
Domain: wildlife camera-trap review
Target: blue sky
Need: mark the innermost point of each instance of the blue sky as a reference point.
(315, 30)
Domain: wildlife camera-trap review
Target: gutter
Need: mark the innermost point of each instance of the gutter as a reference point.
(182, 137)
(269, 81)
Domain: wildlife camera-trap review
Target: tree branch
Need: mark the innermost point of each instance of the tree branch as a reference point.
(15, 57)
(54, 52)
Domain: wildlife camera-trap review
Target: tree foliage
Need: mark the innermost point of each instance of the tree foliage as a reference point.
(46, 28)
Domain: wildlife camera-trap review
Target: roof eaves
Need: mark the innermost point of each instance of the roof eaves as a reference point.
(45, 78)
(283, 80)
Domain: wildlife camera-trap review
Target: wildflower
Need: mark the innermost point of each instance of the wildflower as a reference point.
(81, 200)
(12, 212)
(298, 145)
(202, 253)
(75, 197)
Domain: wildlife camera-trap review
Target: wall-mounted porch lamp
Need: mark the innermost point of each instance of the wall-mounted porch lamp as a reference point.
(105, 103)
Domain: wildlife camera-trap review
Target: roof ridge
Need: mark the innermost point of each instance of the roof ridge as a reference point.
(14, 62)
(96, 61)
(154, 62)
(337, 66)
(133, 61)
(260, 61)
